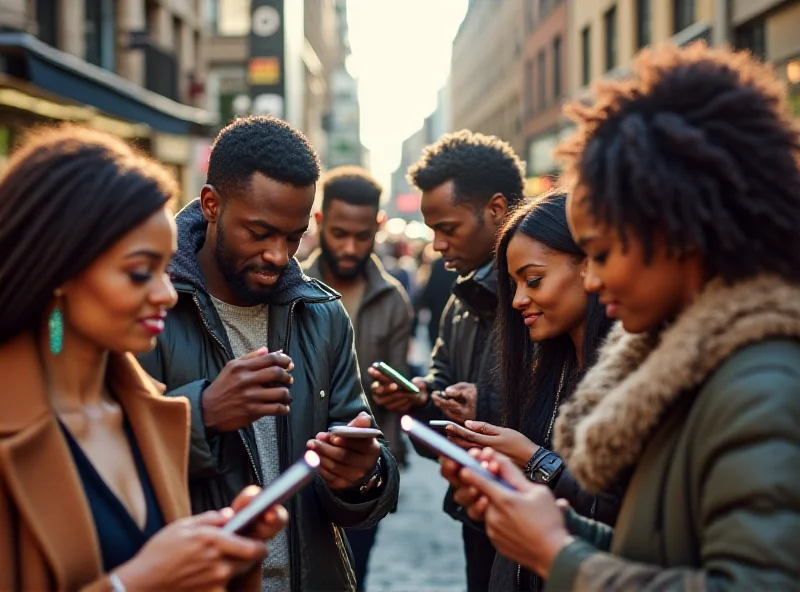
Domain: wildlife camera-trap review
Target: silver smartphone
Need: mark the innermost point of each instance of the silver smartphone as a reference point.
(284, 487)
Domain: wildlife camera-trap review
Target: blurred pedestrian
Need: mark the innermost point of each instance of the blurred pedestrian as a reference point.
(377, 304)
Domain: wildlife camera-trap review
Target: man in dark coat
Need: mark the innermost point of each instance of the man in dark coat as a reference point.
(469, 182)
(265, 356)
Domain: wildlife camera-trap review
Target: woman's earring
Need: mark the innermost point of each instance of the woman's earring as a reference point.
(55, 327)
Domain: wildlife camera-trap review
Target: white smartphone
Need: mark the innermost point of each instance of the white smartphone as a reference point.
(285, 486)
(358, 433)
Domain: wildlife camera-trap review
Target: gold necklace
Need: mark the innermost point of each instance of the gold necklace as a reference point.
(555, 407)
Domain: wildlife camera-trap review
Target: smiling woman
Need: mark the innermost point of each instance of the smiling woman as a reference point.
(86, 237)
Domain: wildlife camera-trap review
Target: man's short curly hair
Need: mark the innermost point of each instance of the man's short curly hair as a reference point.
(479, 166)
(260, 144)
(352, 185)
(698, 147)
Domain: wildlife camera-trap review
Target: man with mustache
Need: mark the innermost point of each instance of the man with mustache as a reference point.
(378, 305)
(265, 356)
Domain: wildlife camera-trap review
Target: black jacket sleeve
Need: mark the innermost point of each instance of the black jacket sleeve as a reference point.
(203, 450)
(348, 509)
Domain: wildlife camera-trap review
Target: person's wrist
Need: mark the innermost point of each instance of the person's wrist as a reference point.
(523, 460)
(206, 409)
(553, 544)
(126, 578)
(373, 478)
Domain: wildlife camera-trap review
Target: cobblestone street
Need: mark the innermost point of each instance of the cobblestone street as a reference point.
(419, 548)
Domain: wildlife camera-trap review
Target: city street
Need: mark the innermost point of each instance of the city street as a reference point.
(419, 548)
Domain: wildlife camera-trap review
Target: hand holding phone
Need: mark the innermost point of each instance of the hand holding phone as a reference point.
(397, 378)
(441, 445)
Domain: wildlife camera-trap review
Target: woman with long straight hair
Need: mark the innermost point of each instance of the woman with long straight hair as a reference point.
(548, 333)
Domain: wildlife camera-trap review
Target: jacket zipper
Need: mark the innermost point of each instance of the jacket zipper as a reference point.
(294, 566)
(519, 576)
(228, 354)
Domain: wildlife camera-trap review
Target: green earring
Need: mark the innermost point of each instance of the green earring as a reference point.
(56, 326)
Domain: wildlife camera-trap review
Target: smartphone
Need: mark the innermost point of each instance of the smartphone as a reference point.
(397, 378)
(284, 487)
(440, 425)
(441, 445)
(358, 433)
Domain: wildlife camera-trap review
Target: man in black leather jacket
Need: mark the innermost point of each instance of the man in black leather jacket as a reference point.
(469, 182)
(265, 356)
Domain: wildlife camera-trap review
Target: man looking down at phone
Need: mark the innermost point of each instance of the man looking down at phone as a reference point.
(265, 356)
(469, 182)
(377, 304)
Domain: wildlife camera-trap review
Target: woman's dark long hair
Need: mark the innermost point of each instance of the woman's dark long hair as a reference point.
(530, 373)
(68, 194)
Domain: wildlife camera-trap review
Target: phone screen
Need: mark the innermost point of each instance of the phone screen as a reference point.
(395, 377)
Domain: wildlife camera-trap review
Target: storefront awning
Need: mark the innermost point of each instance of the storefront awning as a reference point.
(64, 75)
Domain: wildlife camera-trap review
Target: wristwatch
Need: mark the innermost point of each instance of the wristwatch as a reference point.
(545, 468)
(375, 479)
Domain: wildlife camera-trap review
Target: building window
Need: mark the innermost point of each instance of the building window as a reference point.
(682, 14)
(228, 18)
(752, 37)
(544, 7)
(99, 32)
(47, 21)
(530, 14)
(643, 23)
(557, 68)
(610, 22)
(541, 79)
(528, 87)
(586, 55)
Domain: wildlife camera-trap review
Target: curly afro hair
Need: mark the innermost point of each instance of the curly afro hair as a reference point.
(479, 167)
(352, 185)
(263, 145)
(698, 148)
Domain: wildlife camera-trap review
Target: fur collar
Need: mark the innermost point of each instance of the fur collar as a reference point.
(603, 428)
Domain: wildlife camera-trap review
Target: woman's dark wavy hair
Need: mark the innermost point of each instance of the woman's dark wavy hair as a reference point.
(68, 194)
(698, 147)
(530, 373)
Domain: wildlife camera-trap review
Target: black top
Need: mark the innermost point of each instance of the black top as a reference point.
(119, 536)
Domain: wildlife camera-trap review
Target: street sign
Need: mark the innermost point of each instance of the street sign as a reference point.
(266, 66)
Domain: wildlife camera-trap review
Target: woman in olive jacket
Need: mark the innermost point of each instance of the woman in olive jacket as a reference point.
(687, 203)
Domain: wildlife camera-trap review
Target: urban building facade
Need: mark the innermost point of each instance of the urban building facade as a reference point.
(605, 35)
(485, 71)
(771, 30)
(405, 199)
(321, 98)
(344, 123)
(544, 76)
(133, 68)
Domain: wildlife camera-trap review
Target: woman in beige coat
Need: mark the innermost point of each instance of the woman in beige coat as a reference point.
(93, 491)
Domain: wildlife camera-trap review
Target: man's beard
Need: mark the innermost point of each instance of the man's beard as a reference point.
(237, 278)
(332, 262)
